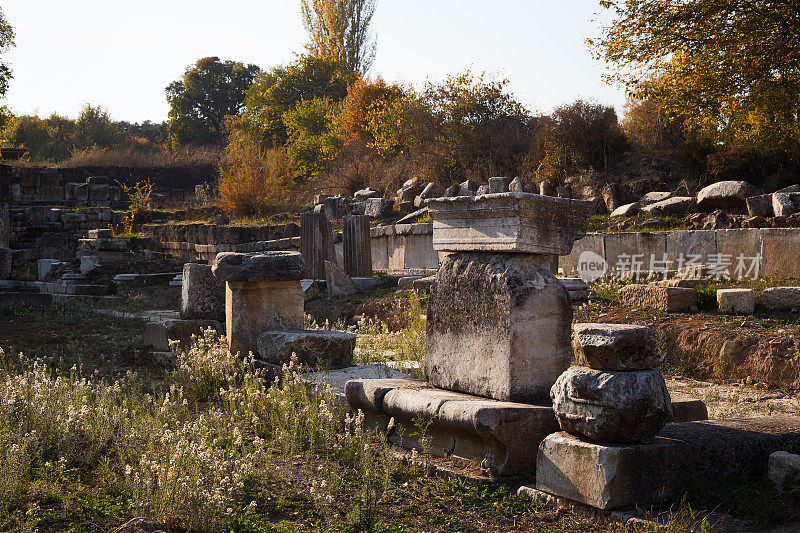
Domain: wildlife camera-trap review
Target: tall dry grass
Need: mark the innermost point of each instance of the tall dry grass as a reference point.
(136, 157)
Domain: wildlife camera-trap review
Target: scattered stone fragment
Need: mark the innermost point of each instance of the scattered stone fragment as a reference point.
(667, 299)
(483, 189)
(782, 465)
(337, 281)
(781, 298)
(313, 347)
(615, 347)
(407, 282)
(158, 333)
(725, 195)
(366, 194)
(760, 206)
(626, 210)
(786, 203)
(423, 284)
(378, 207)
(736, 301)
(467, 188)
(678, 205)
(656, 196)
(624, 407)
(202, 293)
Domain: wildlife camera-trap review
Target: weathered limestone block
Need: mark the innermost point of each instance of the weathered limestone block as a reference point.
(780, 250)
(498, 326)
(202, 294)
(785, 203)
(626, 210)
(266, 266)
(499, 185)
(588, 254)
(678, 205)
(316, 243)
(632, 254)
(615, 347)
(106, 233)
(667, 299)
(782, 465)
(656, 196)
(313, 347)
(158, 333)
(760, 206)
(356, 245)
(725, 195)
(736, 301)
(262, 293)
(781, 298)
(508, 222)
(366, 194)
(609, 476)
(697, 246)
(337, 281)
(501, 435)
(378, 207)
(611, 406)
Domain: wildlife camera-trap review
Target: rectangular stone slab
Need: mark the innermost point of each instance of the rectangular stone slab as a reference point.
(502, 435)
(508, 222)
(609, 476)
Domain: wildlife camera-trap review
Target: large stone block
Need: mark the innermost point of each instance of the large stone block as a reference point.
(785, 203)
(265, 266)
(380, 252)
(587, 257)
(253, 307)
(780, 250)
(611, 406)
(679, 205)
(687, 249)
(609, 476)
(202, 294)
(419, 253)
(313, 347)
(725, 195)
(617, 476)
(501, 435)
(159, 333)
(634, 254)
(741, 248)
(508, 222)
(615, 347)
(667, 299)
(760, 206)
(781, 298)
(498, 326)
(337, 282)
(736, 301)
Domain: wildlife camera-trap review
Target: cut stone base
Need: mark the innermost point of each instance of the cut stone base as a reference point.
(158, 333)
(667, 299)
(313, 347)
(608, 476)
(498, 326)
(502, 435)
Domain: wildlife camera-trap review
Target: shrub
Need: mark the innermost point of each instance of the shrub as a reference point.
(252, 180)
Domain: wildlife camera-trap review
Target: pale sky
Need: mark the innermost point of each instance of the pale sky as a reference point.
(121, 55)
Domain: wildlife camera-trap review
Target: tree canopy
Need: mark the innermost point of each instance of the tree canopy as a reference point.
(728, 66)
(208, 92)
(339, 30)
(6, 42)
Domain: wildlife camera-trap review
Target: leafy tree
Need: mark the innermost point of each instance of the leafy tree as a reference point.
(353, 122)
(731, 67)
(6, 42)
(209, 91)
(278, 91)
(482, 127)
(94, 128)
(339, 30)
(577, 137)
(313, 141)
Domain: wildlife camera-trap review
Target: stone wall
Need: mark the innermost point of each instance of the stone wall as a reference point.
(204, 241)
(403, 247)
(773, 251)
